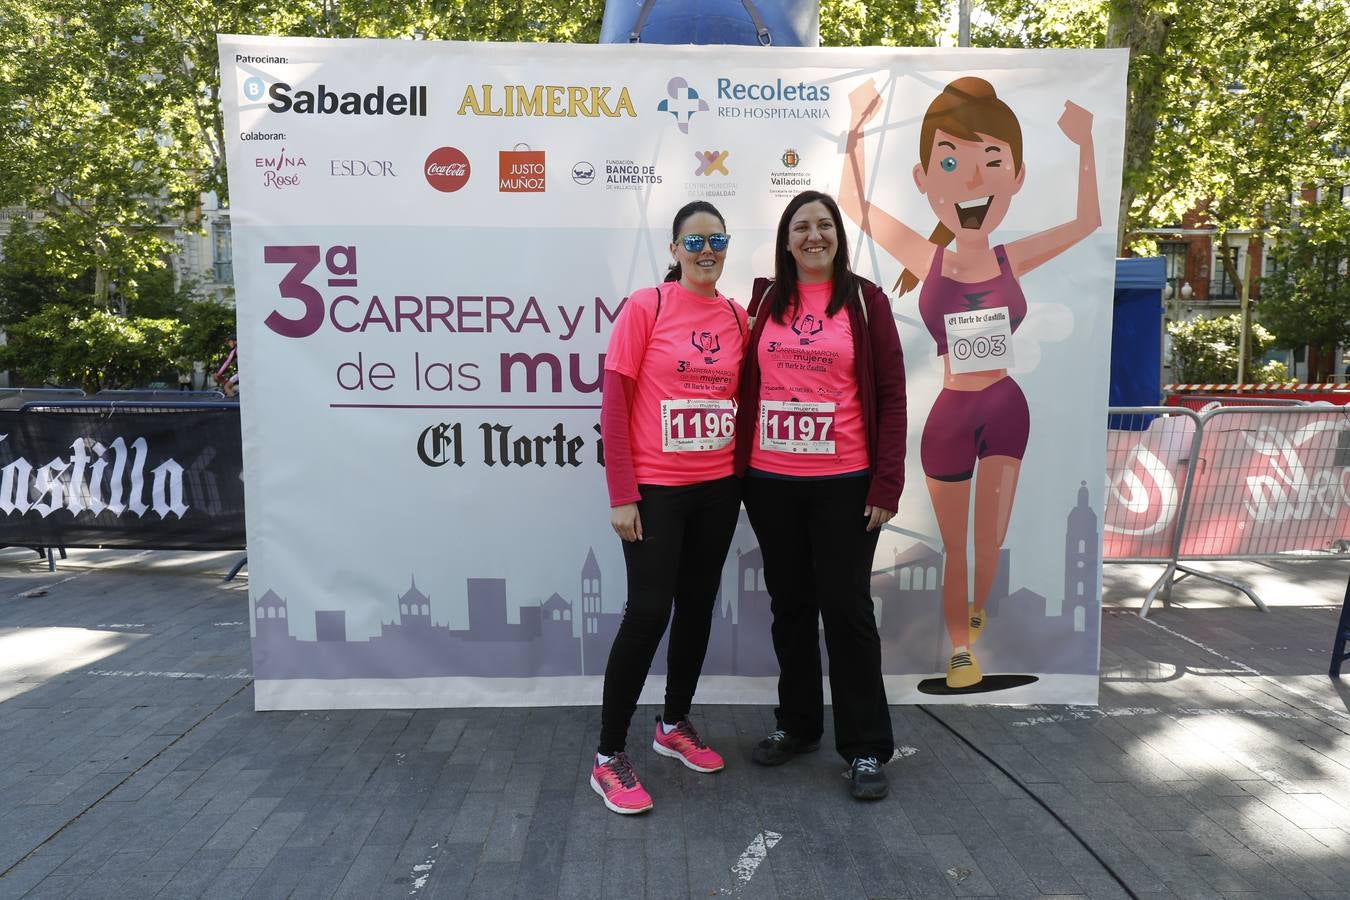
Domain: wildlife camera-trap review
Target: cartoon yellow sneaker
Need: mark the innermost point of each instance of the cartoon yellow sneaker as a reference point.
(963, 671)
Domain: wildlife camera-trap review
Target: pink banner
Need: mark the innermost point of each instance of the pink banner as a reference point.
(1266, 482)
(1269, 482)
(1145, 473)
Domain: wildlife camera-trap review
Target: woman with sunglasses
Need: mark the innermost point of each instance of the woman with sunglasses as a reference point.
(668, 422)
(822, 420)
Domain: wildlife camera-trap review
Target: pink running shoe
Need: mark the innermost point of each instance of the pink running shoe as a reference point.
(618, 785)
(685, 745)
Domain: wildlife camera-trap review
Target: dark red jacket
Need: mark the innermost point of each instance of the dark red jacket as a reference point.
(880, 366)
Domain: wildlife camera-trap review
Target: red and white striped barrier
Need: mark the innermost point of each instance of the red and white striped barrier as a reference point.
(1272, 386)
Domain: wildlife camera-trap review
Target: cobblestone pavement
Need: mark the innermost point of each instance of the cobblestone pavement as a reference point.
(132, 764)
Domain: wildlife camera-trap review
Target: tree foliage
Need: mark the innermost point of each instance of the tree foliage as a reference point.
(93, 349)
(892, 23)
(30, 280)
(1306, 297)
(110, 117)
(110, 112)
(1234, 106)
(1205, 351)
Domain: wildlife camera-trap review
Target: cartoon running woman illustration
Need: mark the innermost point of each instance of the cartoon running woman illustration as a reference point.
(970, 166)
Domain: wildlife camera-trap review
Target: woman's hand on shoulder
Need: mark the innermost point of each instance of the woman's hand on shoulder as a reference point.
(626, 522)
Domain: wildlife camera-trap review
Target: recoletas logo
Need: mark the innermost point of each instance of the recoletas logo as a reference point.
(447, 169)
(682, 102)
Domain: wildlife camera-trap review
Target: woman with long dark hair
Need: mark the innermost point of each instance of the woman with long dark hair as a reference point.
(822, 425)
(668, 421)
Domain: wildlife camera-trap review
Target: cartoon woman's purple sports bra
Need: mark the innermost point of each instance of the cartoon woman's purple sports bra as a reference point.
(941, 296)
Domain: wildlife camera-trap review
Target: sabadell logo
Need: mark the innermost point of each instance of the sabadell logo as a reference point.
(447, 169)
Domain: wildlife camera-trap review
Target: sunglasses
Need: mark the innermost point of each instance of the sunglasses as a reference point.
(694, 242)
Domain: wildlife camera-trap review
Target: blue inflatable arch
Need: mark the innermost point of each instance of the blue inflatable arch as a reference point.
(782, 23)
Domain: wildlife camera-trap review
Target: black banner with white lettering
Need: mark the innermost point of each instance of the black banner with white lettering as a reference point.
(170, 480)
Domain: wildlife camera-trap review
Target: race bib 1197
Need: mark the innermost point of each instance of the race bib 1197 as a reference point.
(796, 427)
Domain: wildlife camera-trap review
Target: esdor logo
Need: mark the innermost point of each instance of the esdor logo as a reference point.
(447, 169)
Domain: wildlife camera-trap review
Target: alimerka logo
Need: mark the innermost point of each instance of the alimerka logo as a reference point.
(547, 100)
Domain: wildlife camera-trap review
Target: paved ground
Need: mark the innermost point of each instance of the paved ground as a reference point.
(132, 765)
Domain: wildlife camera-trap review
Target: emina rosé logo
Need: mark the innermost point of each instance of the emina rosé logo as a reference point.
(447, 169)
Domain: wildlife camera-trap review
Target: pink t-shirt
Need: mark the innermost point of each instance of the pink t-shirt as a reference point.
(810, 416)
(686, 365)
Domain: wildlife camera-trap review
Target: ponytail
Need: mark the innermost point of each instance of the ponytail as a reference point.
(941, 237)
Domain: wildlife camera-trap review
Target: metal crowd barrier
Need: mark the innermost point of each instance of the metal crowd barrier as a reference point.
(1205, 402)
(45, 401)
(13, 398)
(1236, 482)
(155, 394)
(108, 407)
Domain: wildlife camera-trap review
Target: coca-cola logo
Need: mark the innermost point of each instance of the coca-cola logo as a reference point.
(447, 169)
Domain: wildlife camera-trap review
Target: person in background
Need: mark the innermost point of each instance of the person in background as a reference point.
(229, 383)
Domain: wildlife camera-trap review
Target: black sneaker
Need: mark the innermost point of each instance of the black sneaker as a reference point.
(779, 747)
(867, 780)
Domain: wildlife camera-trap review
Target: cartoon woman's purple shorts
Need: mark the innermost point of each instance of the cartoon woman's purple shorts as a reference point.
(964, 426)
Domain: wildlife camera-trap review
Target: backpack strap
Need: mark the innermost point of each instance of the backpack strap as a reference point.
(731, 307)
(752, 312)
(862, 301)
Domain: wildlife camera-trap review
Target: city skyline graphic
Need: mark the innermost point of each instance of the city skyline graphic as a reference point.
(1026, 631)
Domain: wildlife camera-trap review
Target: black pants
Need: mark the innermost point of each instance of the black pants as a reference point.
(817, 565)
(686, 533)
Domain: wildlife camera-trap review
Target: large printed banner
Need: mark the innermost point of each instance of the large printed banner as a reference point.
(431, 245)
(148, 480)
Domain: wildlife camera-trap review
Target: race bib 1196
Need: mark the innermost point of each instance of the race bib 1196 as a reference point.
(696, 425)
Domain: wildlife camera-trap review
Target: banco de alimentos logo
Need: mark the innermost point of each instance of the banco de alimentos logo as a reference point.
(682, 102)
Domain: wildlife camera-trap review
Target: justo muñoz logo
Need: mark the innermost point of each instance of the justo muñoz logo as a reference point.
(447, 169)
